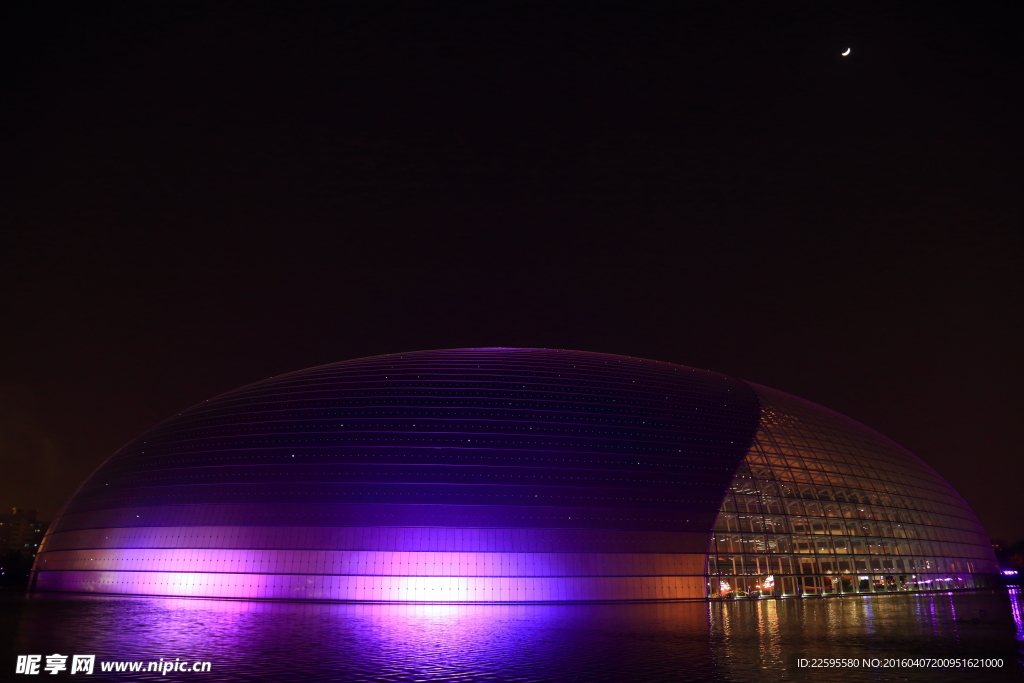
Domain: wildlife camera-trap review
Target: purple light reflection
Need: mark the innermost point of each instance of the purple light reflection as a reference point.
(1017, 607)
(746, 642)
(285, 641)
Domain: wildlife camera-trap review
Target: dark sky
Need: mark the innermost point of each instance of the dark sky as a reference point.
(200, 195)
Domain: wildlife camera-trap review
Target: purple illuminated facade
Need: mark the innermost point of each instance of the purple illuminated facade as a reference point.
(510, 475)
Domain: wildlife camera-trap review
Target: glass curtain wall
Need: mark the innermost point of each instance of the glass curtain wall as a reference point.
(822, 505)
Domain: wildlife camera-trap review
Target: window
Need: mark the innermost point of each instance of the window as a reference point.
(848, 512)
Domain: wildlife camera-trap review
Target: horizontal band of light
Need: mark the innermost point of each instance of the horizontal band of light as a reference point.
(377, 588)
(408, 539)
(315, 513)
(374, 563)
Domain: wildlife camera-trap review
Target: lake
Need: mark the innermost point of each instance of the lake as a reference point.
(746, 640)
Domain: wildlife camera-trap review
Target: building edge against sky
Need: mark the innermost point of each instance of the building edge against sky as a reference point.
(511, 475)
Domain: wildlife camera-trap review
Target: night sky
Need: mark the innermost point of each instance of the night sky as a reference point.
(196, 196)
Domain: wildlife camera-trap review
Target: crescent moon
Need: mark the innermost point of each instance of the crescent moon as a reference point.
(847, 52)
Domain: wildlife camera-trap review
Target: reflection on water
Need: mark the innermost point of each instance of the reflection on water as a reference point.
(734, 641)
(762, 639)
(1017, 606)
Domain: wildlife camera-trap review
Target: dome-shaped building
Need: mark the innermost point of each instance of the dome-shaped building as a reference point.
(511, 475)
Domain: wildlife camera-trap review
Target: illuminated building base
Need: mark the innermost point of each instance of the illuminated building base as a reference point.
(378, 588)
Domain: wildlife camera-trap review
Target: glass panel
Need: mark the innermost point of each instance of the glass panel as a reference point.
(845, 511)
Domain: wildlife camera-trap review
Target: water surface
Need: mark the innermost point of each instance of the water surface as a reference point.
(736, 641)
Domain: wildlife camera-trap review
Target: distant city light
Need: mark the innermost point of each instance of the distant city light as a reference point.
(1009, 572)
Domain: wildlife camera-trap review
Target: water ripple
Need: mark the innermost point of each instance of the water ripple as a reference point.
(743, 641)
